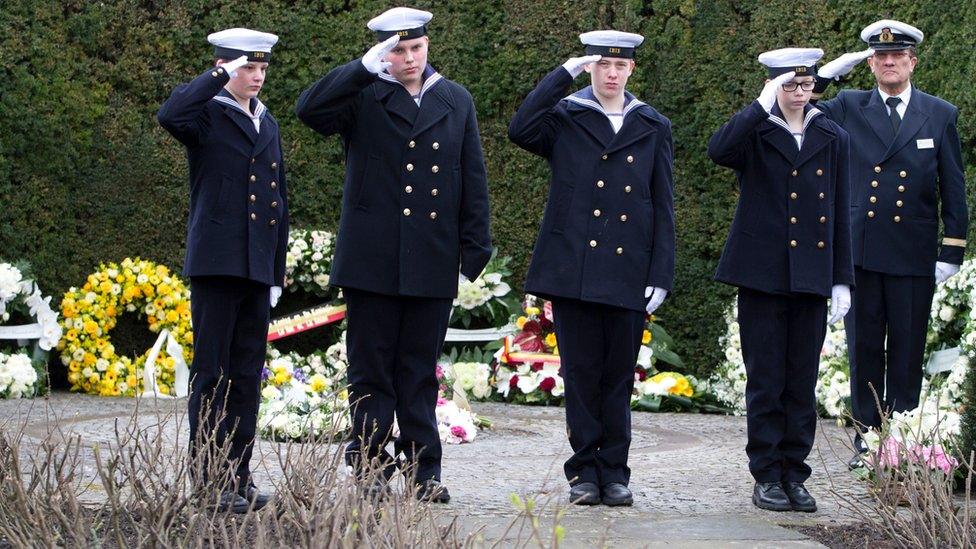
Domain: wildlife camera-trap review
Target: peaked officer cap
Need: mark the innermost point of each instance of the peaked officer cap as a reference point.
(802, 61)
(232, 43)
(406, 23)
(611, 43)
(889, 34)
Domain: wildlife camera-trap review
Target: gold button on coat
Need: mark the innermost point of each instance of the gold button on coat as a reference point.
(274, 165)
(795, 173)
(254, 198)
(406, 211)
(254, 178)
(821, 244)
(903, 174)
(604, 157)
(436, 145)
(254, 216)
(274, 204)
(433, 192)
(793, 244)
(897, 219)
(623, 217)
(794, 196)
(793, 220)
(596, 213)
(822, 196)
(627, 189)
(871, 214)
(620, 251)
(433, 215)
(409, 167)
(819, 171)
(214, 74)
(599, 183)
(899, 203)
(901, 188)
(272, 222)
(253, 160)
(412, 144)
(873, 199)
(877, 169)
(408, 189)
(435, 169)
(874, 184)
(274, 185)
(593, 243)
(630, 159)
(823, 219)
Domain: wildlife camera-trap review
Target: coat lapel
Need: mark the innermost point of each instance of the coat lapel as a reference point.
(269, 130)
(876, 114)
(637, 125)
(397, 101)
(593, 122)
(780, 139)
(242, 121)
(915, 118)
(435, 104)
(817, 136)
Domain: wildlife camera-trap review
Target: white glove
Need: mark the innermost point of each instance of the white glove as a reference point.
(373, 59)
(656, 297)
(768, 96)
(275, 296)
(462, 278)
(843, 64)
(944, 270)
(574, 66)
(232, 66)
(840, 302)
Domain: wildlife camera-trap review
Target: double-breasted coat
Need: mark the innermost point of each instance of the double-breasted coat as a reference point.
(608, 228)
(415, 196)
(238, 220)
(791, 232)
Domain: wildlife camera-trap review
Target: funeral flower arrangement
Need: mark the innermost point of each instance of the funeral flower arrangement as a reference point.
(486, 301)
(924, 437)
(22, 370)
(90, 312)
(308, 262)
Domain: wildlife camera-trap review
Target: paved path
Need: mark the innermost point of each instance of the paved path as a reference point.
(689, 473)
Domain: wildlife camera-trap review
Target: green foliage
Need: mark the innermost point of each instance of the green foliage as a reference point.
(86, 174)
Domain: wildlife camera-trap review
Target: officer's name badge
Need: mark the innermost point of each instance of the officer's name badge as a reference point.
(925, 143)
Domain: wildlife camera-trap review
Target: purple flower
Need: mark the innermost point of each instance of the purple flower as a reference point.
(265, 374)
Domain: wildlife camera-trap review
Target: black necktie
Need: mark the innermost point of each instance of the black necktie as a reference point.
(892, 103)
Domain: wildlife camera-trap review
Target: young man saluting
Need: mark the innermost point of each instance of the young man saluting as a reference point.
(605, 251)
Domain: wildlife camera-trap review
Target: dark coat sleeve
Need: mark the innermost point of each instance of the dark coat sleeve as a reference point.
(729, 146)
(281, 248)
(835, 109)
(661, 273)
(952, 192)
(535, 125)
(843, 255)
(184, 115)
(474, 216)
(329, 105)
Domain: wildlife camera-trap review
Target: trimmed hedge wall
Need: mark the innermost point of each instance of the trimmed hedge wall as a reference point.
(86, 174)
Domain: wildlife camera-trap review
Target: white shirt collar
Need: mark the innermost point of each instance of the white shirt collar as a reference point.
(905, 96)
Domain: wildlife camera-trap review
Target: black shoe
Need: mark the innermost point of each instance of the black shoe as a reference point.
(800, 499)
(771, 497)
(584, 493)
(253, 496)
(615, 494)
(856, 462)
(231, 501)
(433, 491)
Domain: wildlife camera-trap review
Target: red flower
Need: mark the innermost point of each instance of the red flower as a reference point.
(513, 382)
(536, 366)
(548, 384)
(641, 374)
(546, 325)
(532, 327)
(529, 342)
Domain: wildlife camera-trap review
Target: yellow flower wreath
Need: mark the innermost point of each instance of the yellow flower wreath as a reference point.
(88, 315)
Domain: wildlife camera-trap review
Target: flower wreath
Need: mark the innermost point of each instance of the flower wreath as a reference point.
(90, 313)
(22, 371)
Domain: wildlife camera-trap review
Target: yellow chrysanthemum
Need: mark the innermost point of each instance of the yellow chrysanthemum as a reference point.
(646, 338)
(521, 322)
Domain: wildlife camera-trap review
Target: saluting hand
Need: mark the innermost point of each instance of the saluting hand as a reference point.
(373, 59)
(655, 298)
(768, 96)
(844, 64)
(232, 66)
(575, 65)
(840, 302)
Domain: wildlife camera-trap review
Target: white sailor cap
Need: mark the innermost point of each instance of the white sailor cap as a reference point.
(233, 43)
(406, 23)
(611, 43)
(802, 61)
(889, 34)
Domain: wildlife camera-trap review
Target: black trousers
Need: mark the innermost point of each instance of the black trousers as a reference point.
(393, 344)
(782, 336)
(892, 309)
(598, 347)
(230, 332)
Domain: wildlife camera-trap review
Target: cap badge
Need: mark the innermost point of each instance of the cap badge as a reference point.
(886, 35)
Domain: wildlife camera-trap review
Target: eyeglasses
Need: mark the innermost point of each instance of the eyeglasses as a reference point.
(805, 86)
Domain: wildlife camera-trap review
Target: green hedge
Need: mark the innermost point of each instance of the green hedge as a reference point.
(87, 175)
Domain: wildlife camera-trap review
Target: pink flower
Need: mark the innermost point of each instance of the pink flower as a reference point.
(889, 454)
(441, 401)
(440, 371)
(934, 457)
(459, 432)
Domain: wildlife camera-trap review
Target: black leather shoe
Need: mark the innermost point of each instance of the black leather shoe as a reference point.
(433, 491)
(800, 499)
(231, 501)
(856, 462)
(615, 494)
(771, 497)
(584, 493)
(253, 496)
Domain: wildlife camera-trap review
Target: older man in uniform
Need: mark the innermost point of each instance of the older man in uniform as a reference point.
(605, 251)
(414, 211)
(237, 234)
(907, 160)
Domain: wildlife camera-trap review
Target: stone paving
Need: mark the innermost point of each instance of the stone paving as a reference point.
(689, 472)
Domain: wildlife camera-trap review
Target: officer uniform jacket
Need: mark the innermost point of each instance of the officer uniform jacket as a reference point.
(898, 180)
(608, 228)
(238, 220)
(415, 197)
(791, 232)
